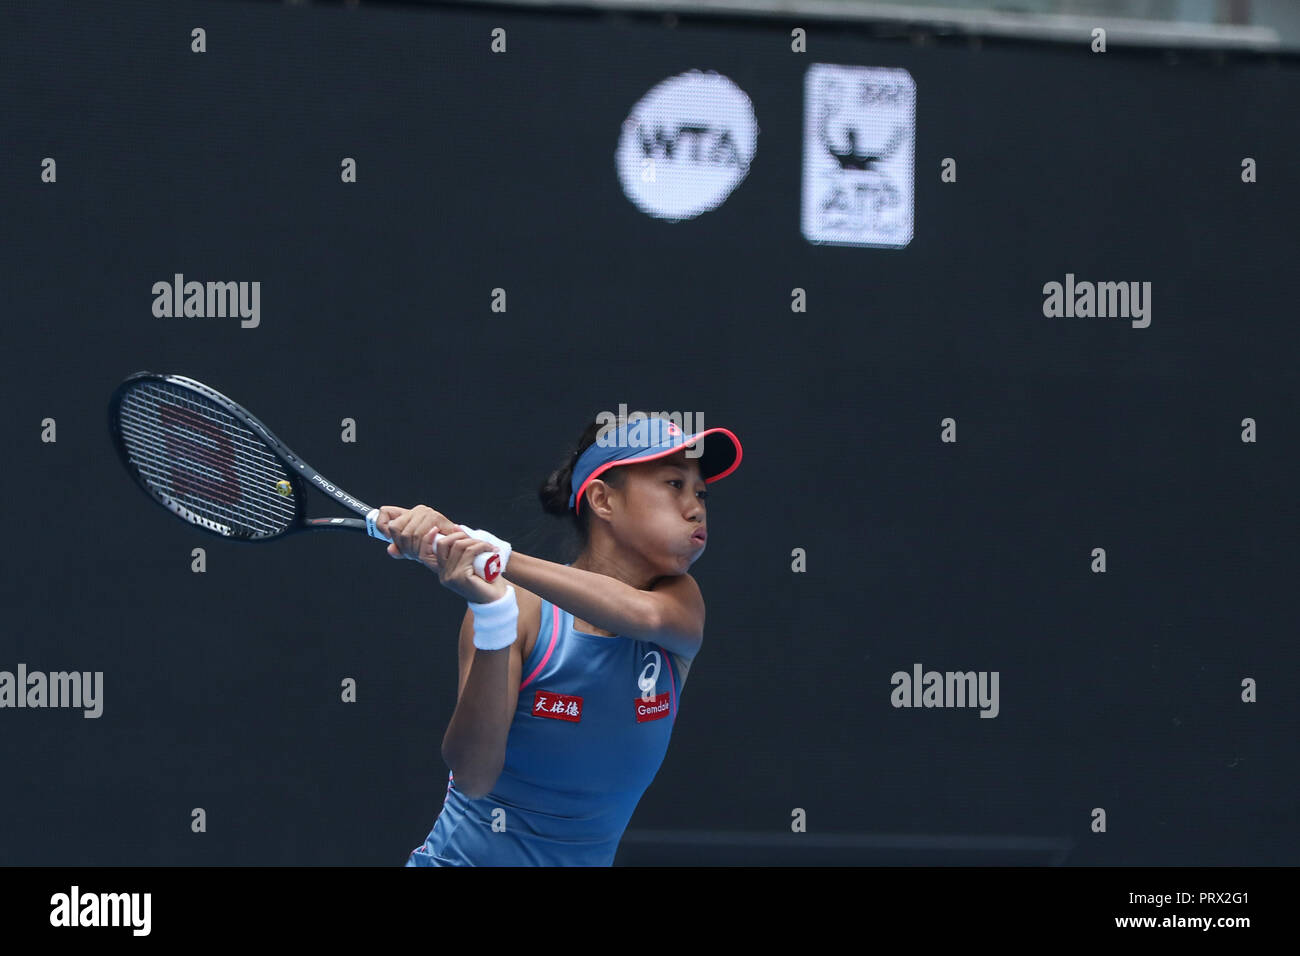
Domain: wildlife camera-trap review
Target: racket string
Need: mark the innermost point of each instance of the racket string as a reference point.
(195, 454)
(217, 487)
(267, 462)
(244, 513)
(164, 462)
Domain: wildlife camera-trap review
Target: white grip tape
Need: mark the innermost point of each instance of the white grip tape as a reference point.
(488, 565)
(372, 529)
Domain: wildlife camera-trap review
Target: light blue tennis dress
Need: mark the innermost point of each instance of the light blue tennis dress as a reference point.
(589, 733)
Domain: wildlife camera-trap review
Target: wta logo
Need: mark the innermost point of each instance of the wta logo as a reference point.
(686, 145)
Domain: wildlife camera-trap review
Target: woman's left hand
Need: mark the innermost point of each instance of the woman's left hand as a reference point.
(410, 532)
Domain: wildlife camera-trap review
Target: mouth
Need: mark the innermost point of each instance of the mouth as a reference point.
(700, 536)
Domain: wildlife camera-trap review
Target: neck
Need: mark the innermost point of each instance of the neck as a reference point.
(630, 569)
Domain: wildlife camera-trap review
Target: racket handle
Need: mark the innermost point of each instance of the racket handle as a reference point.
(372, 528)
(487, 565)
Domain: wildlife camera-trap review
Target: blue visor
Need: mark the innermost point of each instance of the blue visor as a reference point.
(647, 439)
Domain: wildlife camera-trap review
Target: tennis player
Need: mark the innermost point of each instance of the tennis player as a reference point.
(570, 675)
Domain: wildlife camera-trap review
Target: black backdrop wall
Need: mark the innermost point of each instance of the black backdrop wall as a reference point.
(480, 171)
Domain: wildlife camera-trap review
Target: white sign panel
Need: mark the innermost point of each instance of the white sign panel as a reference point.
(859, 155)
(686, 145)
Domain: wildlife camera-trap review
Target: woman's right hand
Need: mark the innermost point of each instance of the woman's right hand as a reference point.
(455, 566)
(413, 534)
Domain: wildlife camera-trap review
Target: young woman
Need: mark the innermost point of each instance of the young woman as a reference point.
(570, 675)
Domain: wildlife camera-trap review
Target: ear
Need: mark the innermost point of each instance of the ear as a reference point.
(598, 498)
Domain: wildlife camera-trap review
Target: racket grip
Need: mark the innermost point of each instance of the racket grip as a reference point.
(372, 529)
(486, 565)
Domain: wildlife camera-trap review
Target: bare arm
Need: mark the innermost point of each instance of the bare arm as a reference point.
(672, 615)
(474, 745)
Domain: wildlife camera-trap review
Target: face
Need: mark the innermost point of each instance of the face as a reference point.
(662, 510)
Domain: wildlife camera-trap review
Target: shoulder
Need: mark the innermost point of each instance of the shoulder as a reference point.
(681, 604)
(530, 604)
(530, 618)
(679, 584)
(685, 590)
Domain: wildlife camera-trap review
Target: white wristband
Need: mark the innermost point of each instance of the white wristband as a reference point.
(496, 622)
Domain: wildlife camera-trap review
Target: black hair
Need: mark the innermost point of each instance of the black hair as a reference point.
(555, 490)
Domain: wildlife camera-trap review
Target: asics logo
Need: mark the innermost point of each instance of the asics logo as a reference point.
(649, 677)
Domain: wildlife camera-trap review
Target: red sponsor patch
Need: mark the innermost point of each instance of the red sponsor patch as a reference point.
(558, 706)
(654, 708)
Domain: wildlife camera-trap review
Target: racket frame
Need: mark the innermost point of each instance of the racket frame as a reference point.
(302, 476)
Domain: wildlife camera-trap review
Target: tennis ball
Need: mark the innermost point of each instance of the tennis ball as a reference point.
(284, 488)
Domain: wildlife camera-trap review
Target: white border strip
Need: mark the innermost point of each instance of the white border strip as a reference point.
(1120, 31)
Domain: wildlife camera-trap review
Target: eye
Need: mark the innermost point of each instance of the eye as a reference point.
(677, 483)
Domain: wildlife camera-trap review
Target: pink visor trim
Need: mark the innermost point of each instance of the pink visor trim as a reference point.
(555, 633)
(661, 454)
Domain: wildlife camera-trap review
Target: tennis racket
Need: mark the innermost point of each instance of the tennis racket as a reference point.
(208, 461)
